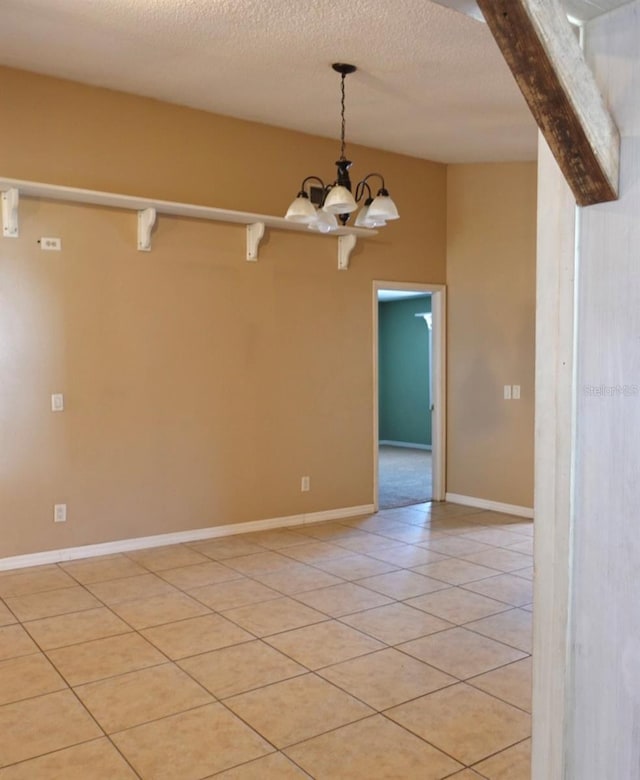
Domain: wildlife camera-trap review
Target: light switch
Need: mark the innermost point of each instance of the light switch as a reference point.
(57, 402)
(507, 392)
(516, 393)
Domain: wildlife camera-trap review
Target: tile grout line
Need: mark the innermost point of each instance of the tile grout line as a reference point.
(84, 708)
(292, 596)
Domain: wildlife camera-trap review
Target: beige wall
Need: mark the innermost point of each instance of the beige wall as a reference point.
(199, 388)
(491, 229)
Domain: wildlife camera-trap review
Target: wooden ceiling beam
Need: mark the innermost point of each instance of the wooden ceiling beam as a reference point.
(542, 50)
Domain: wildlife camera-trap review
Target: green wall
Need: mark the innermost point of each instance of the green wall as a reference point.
(404, 371)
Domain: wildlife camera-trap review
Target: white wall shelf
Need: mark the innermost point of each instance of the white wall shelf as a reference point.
(148, 211)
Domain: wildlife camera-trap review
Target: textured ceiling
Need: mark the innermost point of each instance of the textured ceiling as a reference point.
(580, 11)
(431, 82)
(584, 10)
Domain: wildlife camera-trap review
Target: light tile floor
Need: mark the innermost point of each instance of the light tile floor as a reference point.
(392, 646)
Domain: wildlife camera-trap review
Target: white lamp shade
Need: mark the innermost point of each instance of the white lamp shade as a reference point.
(339, 201)
(324, 222)
(301, 210)
(383, 208)
(365, 220)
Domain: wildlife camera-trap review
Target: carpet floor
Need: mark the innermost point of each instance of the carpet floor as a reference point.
(404, 476)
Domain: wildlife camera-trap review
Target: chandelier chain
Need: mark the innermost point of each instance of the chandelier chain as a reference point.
(342, 117)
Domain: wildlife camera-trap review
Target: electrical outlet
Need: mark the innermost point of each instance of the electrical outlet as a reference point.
(516, 393)
(305, 484)
(51, 244)
(507, 392)
(60, 513)
(57, 402)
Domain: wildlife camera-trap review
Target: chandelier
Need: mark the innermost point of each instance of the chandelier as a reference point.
(321, 206)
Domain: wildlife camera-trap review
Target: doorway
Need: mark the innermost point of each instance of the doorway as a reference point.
(409, 393)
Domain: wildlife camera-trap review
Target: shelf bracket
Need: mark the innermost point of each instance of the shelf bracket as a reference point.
(255, 234)
(146, 221)
(10, 200)
(346, 245)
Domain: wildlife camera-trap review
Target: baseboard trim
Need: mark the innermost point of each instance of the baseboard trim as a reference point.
(406, 444)
(494, 506)
(179, 537)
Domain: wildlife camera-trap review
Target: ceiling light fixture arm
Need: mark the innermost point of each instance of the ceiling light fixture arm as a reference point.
(360, 188)
(303, 186)
(382, 191)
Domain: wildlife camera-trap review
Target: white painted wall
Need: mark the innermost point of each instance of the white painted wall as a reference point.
(604, 727)
(587, 621)
(553, 457)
